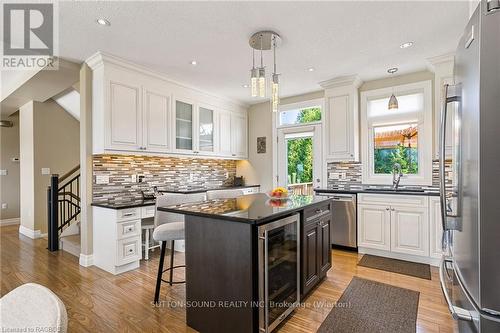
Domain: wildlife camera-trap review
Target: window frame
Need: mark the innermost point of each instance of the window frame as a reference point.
(299, 106)
(424, 119)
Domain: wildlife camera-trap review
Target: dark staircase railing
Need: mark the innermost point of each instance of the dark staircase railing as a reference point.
(63, 204)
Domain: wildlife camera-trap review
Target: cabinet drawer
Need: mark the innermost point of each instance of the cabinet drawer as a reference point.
(148, 211)
(129, 250)
(250, 190)
(128, 214)
(393, 200)
(128, 229)
(314, 213)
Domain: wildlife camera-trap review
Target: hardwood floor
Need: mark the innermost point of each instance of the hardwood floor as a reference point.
(97, 301)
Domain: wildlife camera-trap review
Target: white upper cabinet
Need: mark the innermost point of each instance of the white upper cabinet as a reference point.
(156, 121)
(341, 119)
(238, 136)
(225, 133)
(125, 116)
(233, 140)
(184, 126)
(135, 110)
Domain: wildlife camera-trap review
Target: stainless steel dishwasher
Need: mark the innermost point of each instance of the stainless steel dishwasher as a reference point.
(344, 226)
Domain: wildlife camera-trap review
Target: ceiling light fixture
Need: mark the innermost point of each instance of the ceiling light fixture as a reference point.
(406, 45)
(393, 101)
(103, 21)
(311, 69)
(264, 41)
(194, 63)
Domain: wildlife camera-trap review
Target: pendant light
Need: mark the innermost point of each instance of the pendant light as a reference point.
(275, 97)
(393, 101)
(254, 76)
(264, 41)
(262, 74)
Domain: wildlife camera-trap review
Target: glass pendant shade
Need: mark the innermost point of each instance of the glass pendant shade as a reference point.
(393, 103)
(262, 82)
(275, 96)
(254, 77)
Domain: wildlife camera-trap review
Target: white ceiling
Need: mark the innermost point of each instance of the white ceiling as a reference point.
(336, 38)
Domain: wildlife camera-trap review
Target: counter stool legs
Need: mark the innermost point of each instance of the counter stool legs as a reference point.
(160, 271)
(159, 278)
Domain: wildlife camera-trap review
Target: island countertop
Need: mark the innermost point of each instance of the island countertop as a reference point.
(254, 208)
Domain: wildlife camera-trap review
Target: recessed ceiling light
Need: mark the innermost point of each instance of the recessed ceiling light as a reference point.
(246, 86)
(193, 62)
(102, 21)
(406, 45)
(311, 69)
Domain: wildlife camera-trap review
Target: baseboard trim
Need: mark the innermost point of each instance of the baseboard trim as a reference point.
(86, 260)
(33, 234)
(13, 221)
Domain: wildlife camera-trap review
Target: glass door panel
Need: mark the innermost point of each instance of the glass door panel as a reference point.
(206, 129)
(183, 125)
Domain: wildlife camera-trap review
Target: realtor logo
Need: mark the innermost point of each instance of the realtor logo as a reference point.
(28, 35)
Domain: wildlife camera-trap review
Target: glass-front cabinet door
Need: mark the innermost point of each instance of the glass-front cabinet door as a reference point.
(205, 130)
(184, 118)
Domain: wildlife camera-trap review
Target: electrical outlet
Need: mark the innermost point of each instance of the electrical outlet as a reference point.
(333, 175)
(343, 175)
(5, 205)
(3, 172)
(133, 179)
(45, 171)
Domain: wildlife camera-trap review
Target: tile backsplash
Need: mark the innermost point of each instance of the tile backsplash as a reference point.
(164, 172)
(352, 171)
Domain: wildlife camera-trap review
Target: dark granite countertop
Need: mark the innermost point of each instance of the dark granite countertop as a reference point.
(422, 190)
(190, 190)
(253, 208)
(124, 204)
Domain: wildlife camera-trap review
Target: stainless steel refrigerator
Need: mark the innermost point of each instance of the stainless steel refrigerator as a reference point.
(470, 270)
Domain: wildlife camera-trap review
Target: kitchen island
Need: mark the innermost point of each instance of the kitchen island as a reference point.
(249, 259)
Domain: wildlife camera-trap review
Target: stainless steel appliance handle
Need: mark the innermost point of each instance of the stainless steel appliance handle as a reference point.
(266, 281)
(456, 312)
(442, 156)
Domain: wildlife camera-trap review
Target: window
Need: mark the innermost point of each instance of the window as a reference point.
(402, 136)
(300, 116)
(395, 144)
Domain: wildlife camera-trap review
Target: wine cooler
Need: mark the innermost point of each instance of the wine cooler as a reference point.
(279, 262)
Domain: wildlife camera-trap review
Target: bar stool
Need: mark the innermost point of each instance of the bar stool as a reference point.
(169, 227)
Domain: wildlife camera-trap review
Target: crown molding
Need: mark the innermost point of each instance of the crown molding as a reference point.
(444, 59)
(98, 59)
(342, 81)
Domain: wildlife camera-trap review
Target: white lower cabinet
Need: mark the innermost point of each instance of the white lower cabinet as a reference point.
(399, 226)
(410, 230)
(374, 227)
(436, 228)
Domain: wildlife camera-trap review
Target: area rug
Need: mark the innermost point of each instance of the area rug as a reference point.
(422, 271)
(372, 307)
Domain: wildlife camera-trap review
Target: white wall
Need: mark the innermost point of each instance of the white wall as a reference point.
(49, 138)
(9, 194)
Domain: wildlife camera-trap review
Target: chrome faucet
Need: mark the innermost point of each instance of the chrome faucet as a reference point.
(397, 173)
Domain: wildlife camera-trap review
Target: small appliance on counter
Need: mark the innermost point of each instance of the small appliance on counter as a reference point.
(239, 181)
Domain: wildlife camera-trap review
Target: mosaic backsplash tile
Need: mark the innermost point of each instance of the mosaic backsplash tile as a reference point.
(353, 174)
(164, 172)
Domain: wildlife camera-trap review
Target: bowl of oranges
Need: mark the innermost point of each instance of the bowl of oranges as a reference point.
(279, 193)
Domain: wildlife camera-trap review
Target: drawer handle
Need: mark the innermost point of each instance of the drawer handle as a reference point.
(128, 214)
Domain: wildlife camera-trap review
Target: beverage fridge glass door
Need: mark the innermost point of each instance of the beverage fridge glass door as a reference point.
(279, 271)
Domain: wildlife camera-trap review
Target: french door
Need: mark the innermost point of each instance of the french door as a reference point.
(299, 158)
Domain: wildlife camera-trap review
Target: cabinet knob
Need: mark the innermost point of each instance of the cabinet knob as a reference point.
(387, 208)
